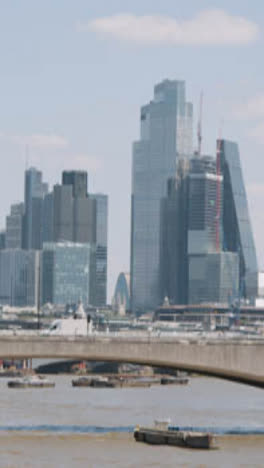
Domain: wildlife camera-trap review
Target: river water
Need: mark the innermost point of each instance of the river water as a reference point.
(87, 427)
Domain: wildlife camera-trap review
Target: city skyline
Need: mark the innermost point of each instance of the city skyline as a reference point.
(70, 114)
(45, 237)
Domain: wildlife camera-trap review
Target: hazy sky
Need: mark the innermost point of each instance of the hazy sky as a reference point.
(74, 74)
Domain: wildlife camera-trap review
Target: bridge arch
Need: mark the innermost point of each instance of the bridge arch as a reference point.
(237, 360)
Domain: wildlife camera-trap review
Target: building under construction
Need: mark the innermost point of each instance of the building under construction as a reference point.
(207, 249)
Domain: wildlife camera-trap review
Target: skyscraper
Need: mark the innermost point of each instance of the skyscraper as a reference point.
(174, 237)
(19, 277)
(194, 266)
(14, 225)
(79, 182)
(238, 236)
(165, 134)
(100, 298)
(35, 190)
(74, 210)
(65, 273)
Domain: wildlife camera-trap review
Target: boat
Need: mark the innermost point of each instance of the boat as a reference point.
(110, 382)
(32, 381)
(82, 382)
(161, 434)
(171, 380)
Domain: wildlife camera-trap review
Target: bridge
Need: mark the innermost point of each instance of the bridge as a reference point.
(239, 360)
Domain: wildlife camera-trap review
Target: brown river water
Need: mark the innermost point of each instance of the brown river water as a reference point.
(87, 427)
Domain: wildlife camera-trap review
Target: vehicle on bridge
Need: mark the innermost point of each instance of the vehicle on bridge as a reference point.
(79, 324)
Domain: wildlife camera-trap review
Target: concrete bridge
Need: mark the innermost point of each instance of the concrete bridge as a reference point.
(239, 360)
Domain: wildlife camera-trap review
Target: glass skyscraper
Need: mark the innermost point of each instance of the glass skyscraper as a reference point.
(19, 277)
(35, 190)
(165, 134)
(100, 290)
(14, 226)
(65, 273)
(238, 236)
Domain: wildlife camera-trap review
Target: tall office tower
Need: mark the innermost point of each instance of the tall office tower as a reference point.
(66, 273)
(238, 236)
(79, 182)
(74, 216)
(19, 280)
(212, 273)
(14, 225)
(165, 134)
(47, 218)
(35, 190)
(100, 298)
(174, 235)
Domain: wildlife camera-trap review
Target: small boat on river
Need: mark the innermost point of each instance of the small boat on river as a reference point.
(32, 381)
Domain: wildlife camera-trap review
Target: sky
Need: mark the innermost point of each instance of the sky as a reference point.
(75, 73)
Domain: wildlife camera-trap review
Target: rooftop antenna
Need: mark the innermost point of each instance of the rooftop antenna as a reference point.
(199, 126)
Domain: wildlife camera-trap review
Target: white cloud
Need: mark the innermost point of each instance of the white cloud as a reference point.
(252, 108)
(209, 27)
(37, 140)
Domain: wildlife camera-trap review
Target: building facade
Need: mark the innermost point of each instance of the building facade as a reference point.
(121, 299)
(14, 227)
(78, 181)
(19, 277)
(35, 190)
(238, 235)
(195, 267)
(174, 237)
(74, 212)
(101, 200)
(165, 133)
(66, 273)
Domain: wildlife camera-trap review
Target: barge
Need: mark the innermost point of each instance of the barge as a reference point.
(197, 440)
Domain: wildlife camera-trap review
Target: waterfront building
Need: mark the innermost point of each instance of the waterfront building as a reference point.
(14, 226)
(100, 298)
(35, 190)
(66, 273)
(238, 235)
(165, 134)
(19, 277)
(121, 299)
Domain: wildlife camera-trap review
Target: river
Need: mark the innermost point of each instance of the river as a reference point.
(86, 427)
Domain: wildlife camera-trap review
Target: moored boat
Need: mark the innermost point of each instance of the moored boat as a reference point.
(82, 382)
(33, 381)
(155, 436)
(171, 380)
